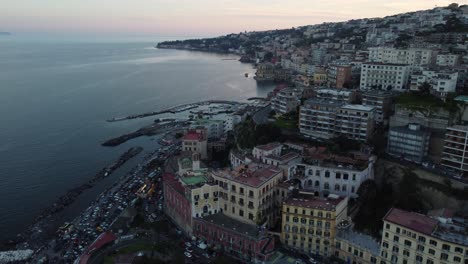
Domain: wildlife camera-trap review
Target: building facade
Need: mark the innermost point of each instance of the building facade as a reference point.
(196, 141)
(339, 76)
(214, 128)
(382, 101)
(287, 100)
(326, 119)
(441, 82)
(454, 156)
(412, 56)
(247, 192)
(309, 223)
(409, 142)
(379, 76)
(332, 176)
(409, 237)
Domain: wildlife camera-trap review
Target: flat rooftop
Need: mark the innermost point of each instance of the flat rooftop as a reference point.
(314, 202)
(358, 107)
(231, 224)
(363, 241)
(253, 174)
(269, 146)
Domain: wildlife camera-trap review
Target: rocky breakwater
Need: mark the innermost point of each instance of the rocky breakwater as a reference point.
(44, 224)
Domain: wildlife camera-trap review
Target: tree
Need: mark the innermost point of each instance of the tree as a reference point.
(409, 197)
(268, 56)
(425, 88)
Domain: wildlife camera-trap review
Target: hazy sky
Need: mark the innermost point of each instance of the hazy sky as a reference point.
(190, 17)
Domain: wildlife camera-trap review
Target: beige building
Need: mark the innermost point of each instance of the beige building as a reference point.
(309, 223)
(356, 248)
(247, 192)
(196, 141)
(409, 237)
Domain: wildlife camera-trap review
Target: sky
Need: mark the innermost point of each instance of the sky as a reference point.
(189, 17)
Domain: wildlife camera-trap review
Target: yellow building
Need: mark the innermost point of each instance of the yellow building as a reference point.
(320, 76)
(309, 223)
(356, 248)
(409, 237)
(247, 192)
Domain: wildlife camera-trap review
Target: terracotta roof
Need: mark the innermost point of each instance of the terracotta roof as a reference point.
(102, 240)
(315, 202)
(172, 180)
(411, 220)
(269, 146)
(252, 174)
(193, 135)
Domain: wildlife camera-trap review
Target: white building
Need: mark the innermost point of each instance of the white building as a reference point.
(270, 149)
(344, 96)
(327, 119)
(441, 83)
(287, 100)
(412, 56)
(214, 128)
(381, 76)
(332, 177)
(447, 60)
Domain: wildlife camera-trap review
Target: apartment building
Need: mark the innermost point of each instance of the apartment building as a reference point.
(409, 142)
(339, 75)
(317, 118)
(287, 100)
(336, 95)
(384, 76)
(382, 101)
(410, 237)
(412, 56)
(448, 60)
(326, 119)
(455, 150)
(196, 141)
(188, 191)
(309, 223)
(214, 128)
(442, 82)
(247, 192)
(333, 174)
(355, 122)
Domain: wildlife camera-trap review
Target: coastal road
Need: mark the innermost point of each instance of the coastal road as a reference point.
(261, 116)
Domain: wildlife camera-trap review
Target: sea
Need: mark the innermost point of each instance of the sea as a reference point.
(57, 93)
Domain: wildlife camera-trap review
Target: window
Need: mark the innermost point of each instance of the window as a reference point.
(459, 250)
(327, 174)
(456, 259)
(420, 248)
(419, 258)
(443, 256)
(433, 243)
(445, 247)
(398, 230)
(338, 175)
(251, 217)
(406, 253)
(431, 251)
(241, 213)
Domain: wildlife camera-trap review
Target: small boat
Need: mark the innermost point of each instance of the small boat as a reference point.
(246, 75)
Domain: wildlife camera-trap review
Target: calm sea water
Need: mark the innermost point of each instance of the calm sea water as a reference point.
(56, 95)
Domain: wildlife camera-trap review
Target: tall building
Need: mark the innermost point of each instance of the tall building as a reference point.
(409, 237)
(455, 154)
(382, 101)
(287, 100)
(339, 75)
(410, 142)
(326, 119)
(309, 223)
(448, 60)
(247, 192)
(384, 76)
(196, 141)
